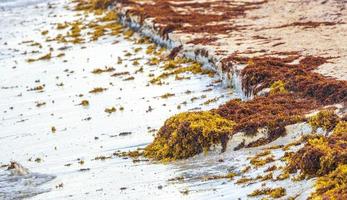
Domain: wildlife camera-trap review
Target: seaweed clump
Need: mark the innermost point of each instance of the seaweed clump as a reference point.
(322, 155)
(325, 157)
(190, 133)
(187, 134)
(273, 112)
(262, 72)
(278, 87)
(326, 119)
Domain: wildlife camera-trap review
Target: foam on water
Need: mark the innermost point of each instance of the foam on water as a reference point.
(19, 3)
(15, 186)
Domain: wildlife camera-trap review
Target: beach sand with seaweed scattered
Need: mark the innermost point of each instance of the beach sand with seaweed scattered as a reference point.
(167, 99)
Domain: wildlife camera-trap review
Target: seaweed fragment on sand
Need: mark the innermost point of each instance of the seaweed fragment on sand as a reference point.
(120, 74)
(167, 95)
(44, 57)
(40, 104)
(53, 129)
(229, 176)
(110, 110)
(102, 70)
(97, 90)
(38, 88)
(84, 103)
(271, 192)
(130, 78)
(262, 158)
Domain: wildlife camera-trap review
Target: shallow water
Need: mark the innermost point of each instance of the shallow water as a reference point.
(6, 4)
(22, 186)
(86, 133)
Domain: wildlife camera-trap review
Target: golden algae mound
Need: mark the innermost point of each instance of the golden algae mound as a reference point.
(190, 133)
